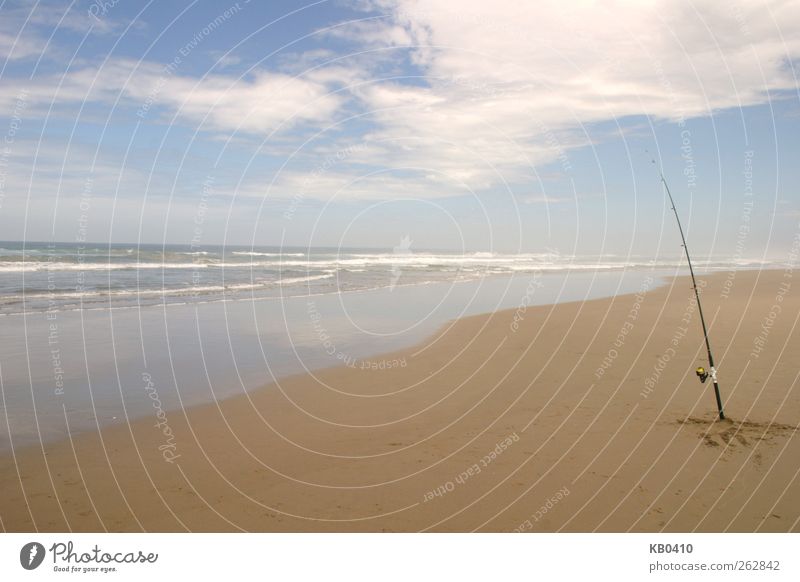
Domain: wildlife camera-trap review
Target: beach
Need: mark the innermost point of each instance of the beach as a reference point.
(580, 416)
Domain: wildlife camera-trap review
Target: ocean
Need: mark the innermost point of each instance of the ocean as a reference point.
(41, 277)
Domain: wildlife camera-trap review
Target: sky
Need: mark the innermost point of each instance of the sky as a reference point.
(499, 126)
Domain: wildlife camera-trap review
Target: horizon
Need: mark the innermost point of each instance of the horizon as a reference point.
(412, 250)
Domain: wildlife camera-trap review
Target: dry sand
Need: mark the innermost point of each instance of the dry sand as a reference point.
(513, 429)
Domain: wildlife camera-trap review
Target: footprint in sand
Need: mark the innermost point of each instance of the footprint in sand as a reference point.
(733, 434)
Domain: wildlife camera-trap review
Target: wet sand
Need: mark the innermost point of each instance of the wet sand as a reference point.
(582, 416)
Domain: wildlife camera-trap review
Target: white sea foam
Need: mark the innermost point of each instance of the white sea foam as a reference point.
(46, 277)
(256, 254)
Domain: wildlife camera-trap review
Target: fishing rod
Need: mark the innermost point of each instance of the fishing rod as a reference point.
(701, 372)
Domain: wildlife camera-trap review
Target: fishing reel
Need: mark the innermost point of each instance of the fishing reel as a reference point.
(702, 374)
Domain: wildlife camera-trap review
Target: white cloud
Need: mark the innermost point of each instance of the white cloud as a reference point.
(255, 105)
(224, 60)
(372, 33)
(343, 185)
(508, 85)
(493, 90)
(259, 105)
(25, 31)
(14, 47)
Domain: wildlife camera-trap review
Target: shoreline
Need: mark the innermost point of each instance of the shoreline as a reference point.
(197, 354)
(244, 298)
(448, 442)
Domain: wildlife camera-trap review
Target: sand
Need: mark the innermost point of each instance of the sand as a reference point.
(583, 416)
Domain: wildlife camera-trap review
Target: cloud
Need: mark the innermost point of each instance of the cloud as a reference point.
(449, 98)
(506, 86)
(75, 18)
(223, 60)
(544, 199)
(658, 58)
(13, 47)
(343, 185)
(372, 33)
(26, 30)
(258, 104)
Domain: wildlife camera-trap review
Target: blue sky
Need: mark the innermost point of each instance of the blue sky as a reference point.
(463, 125)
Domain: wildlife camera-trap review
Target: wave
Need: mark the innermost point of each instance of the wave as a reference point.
(41, 294)
(256, 254)
(34, 266)
(295, 280)
(39, 266)
(509, 263)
